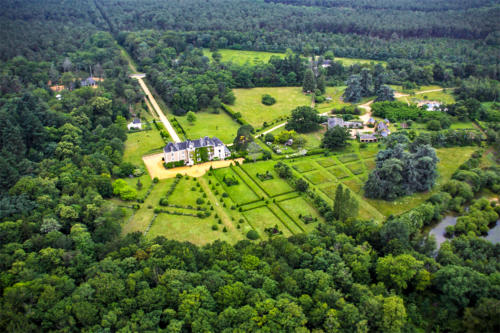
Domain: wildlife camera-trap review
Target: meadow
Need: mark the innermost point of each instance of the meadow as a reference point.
(243, 57)
(249, 104)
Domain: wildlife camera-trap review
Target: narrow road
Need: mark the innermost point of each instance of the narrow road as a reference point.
(159, 112)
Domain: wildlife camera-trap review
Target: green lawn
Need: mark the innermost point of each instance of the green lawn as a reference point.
(142, 143)
(242, 57)
(262, 218)
(338, 172)
(318, 177)
(327, 162)
(209, 124)
(184, 194)
(304, 167)
(273, 186)
(190, 229)
(345, 158)
(249, 104)
(239, 193)
(463, 125)
(336, 103)
(356, 168)
(300, 207)
(352, 61)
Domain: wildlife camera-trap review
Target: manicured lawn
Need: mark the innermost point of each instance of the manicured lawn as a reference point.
(242, 57)
(299, 206)
(184, 194)
(142, 143)
(318, 177)
(338, 172)
(190, 229)
(239, 193)
(273, 186)
(356, 168)
(348, 158)
(327, 162)
(262, 218)
(313, 140)
(209, 124)
(304, 167)
(249, 104)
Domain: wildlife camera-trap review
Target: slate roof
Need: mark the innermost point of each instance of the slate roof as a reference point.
(367, 137)
(88, 82)
(332, 122)
(136, 121)
(193, 144)
(371, 120)
(384, 133)
(382, 126)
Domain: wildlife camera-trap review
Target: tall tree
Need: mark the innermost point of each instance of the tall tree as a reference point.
(309, 83)
(304, 119)
(353, 91)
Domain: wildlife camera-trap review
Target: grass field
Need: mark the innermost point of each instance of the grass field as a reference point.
(304, 167)
(327, 162)
(243, 57)
(356, 168)
(352, 61)
(273, 186)
(209, 124)
(346, 158)
(263, 218)
(249, 104)
(338, 172)
(336, 103)
(300, 207)
(240, 193)
(142, 143)
(463, 125)
(190, 229)
(318, 177)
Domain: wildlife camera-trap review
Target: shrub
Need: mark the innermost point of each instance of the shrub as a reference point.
(224, 229)
(155, 180)
(268, 99)
(225, 195)
(215, 227)
(241, 221)
(164, 202)
(200, 201)
(252, 235)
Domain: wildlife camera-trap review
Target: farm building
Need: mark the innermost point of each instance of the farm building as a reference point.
(367, 138)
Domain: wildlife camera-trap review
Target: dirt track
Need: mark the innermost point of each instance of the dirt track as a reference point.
(155, 167)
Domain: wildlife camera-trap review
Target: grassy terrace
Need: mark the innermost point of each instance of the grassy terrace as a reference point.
(248, 103)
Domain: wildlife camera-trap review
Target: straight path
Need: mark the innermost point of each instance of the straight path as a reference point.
(159, 112)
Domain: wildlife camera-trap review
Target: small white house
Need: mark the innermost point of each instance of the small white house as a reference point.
(136, 124)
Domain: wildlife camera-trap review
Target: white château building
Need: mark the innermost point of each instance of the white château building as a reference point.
(196, 151)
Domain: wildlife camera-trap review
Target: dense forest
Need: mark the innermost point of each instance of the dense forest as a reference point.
(65, 265)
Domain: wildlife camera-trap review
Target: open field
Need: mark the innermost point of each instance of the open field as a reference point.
(209, 124)
(242, 57)
(318, 177)
(352, 61)
(336, 103)
(264, 218)
(249, 104)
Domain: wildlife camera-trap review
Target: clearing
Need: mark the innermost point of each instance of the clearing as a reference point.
(249, 104)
